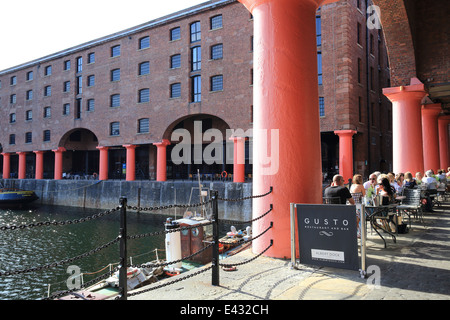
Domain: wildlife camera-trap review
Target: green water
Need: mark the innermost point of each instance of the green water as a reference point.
(38, 246)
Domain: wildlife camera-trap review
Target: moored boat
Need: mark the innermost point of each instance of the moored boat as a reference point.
(16, 197)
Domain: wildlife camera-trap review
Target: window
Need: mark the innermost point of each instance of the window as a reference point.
(78, 108)
(12, 99)
(217, 51)
(372, 80)
(175, 61)
(360, 106)
(90, 105)
(47, 112)
(143, 125)
(216, 22)
(144, 95)
(66, 86)
(321, 106)
(66, 109)
(217, 83)
(29, 75)
(318, 31)
(91, 81)
(175, 34)
(67, 65)
(195, 32)
(114, 128)
(115, 101)
(359, 33)
(175, 90)
(115, 51)
(79, 85)
(91, 57)
(46, 135)
(196, 58)
(144, 68)
(144, 42)
(12, 118)
(359, 70)
(12, 139)
(29, 115)
(47, 91)
(13, 81)
(29, 95)
(196, 89)
(28, 137)
(115, 75)
(371, 44)
(319, 66)
(79, 64)
(48, 70)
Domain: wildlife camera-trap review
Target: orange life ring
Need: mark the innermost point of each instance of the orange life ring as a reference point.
(224, 174)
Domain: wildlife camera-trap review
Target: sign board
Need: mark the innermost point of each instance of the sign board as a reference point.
(327, 235)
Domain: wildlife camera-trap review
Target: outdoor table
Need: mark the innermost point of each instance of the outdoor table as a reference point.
(382, 212)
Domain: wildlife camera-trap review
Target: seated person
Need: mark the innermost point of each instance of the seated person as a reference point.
(386, 191)
(337, 189)
(430, 180)
(409, 181)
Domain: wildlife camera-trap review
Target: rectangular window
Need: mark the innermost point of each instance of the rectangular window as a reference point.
(144, 95)
(175, 61)
(175, 34)
(196, 89)
(360, 106)
(91, 57)
(217, 51)
(115, 75)
(91, 81)
(47, 112)
(217, 83)
(67, 65)
(143, 125)
(29, 75)
(66, 109)
(48, 70)
(359, 70)
(115, 51)
(28, 137)
(115, 100)
(29, 115)
(12, 99)
(13, 81)
(319, 66)
(216, 22)
(29, 95)
(144, 42)
(114, 128)
(175, 90)
(66, 86)
(79, 64)
(318, 31)
(78, 109)
(79, 85)
(90, 105)
(196, 58)
(144, 68)
(12, 118)
(359, 33)
(372, 80)
(46, 135)
(12, 139)
(195, 32)
(48, 91)
(321, 106)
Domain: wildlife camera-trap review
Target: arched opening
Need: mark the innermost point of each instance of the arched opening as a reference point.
(200, 144)
(81, 158)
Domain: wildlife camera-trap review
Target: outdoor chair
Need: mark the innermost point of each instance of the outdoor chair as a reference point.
(411, 204)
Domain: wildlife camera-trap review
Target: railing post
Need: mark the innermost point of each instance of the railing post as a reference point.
(215, 258)
(123, 250)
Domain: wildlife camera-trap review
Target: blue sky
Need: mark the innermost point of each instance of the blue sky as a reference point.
(30, 29)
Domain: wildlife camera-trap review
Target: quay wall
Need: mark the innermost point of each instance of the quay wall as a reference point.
(105, 194)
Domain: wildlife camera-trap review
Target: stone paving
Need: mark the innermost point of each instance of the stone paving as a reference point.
(417, 267)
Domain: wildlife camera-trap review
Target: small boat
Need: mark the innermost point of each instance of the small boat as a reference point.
(16, 197)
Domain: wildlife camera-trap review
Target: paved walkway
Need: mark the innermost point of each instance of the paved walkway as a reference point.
(417, 267)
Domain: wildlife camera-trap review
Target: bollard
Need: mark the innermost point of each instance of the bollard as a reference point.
(215, 220)
(123, 250)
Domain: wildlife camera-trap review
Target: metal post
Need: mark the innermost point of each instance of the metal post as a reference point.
(123, 250)
(363, 239)
(215, 258)
(292, 215)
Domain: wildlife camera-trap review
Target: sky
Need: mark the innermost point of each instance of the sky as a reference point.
(31, 29)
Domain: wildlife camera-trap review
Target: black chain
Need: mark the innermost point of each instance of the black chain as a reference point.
(170, 206)
(158, 233)
(249, 221)
(249, 197)
(242, 241)
(229, 265)
(60, 223)
(179, 278)
(62, 262)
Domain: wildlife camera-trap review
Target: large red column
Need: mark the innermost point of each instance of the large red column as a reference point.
(430, 136)
(6, 165)
(407, 142)
(22, 164)
(286, 127)
(58, 162)
(131, 162)
(39, 173)
(239, 159)
(444, 154)
(345, 153)
(161, 160)
(103, 165)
